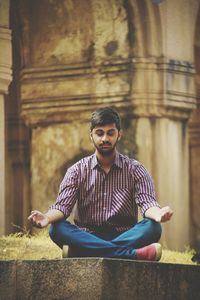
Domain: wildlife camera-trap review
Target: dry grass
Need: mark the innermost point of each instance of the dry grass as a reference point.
(24, 246)
(176, 257)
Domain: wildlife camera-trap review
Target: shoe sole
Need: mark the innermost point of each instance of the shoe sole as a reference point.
(158, 251)
(65, 251)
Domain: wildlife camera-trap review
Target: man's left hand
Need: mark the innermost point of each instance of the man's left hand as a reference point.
(164, 215)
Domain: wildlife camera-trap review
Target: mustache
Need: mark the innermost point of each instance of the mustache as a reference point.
(105, 143)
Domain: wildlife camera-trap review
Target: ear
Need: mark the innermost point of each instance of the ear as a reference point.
(119, 135)
(91, 135)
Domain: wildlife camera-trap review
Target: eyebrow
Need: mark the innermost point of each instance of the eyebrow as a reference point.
(101, 130)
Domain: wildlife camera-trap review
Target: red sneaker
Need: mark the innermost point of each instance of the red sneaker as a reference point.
(151, 252)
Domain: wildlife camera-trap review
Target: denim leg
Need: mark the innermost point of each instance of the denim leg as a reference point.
(65, 233)
(142, 234)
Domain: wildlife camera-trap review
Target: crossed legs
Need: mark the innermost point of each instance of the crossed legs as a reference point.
(123, 245)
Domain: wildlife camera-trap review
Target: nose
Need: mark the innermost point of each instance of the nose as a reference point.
(105, 138)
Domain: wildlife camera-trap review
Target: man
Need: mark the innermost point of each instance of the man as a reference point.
(107, 187)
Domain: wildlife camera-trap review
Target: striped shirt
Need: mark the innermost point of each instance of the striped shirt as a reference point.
(106, 200)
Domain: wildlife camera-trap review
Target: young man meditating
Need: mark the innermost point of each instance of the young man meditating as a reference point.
(107, 188)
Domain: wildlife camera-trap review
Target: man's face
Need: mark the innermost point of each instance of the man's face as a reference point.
(105, 138)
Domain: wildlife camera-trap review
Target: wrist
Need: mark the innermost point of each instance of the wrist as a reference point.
(48, 218)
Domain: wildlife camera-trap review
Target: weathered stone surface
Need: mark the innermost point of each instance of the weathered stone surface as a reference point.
(7, 280)
(146, 280)
(98, 278)
(60, 279)
(64, 144)
(166, 141)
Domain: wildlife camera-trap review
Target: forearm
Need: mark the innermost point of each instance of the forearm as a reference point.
(54, 215)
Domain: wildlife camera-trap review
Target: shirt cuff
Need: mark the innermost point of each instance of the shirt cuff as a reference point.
(60, 208)
(147, 206)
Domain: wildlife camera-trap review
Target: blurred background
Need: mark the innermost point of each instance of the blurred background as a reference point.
(62, 59)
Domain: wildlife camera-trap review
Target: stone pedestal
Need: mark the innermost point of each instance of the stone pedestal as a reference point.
(97, 278)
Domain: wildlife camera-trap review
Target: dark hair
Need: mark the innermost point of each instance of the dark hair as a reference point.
(104, 116)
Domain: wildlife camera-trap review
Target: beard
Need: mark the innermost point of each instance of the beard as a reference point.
(105, 151)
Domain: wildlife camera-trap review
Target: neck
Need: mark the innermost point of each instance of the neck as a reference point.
(106, 161)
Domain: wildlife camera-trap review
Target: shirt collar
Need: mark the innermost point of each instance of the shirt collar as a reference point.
(94, 161)
(117, 161)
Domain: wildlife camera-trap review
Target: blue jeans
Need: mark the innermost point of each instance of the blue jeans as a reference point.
(105, 243)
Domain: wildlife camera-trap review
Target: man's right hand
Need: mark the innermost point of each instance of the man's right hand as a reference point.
(38, 219)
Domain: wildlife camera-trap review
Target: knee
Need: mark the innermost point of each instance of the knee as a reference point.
(156, 228)
(54, 230)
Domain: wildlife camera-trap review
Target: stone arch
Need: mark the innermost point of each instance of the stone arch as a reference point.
(146, 21)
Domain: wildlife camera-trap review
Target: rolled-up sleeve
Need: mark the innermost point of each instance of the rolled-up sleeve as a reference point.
(144, 190)
(68, 191)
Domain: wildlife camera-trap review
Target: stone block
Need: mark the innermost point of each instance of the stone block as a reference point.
(7, 280)
(124, 279)
(60, 279)
(98, 279)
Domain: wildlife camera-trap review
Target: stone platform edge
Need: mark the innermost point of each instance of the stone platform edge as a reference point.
(97, 278)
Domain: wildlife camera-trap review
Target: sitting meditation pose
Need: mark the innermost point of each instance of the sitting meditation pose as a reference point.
(107, 188)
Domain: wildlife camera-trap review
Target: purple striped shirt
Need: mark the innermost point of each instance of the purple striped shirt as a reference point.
(106, 200)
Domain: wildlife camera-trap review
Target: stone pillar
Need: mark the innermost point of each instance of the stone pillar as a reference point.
(5, 78)
(194, 134)
(163, 96)
(194, 131)
(163, 101)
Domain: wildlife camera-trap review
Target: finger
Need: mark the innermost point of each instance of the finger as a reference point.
(37, 224)
(31, 219)
(34, 224)
(166, 217)
(165, 209)
(35, 211)
(33, 215)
